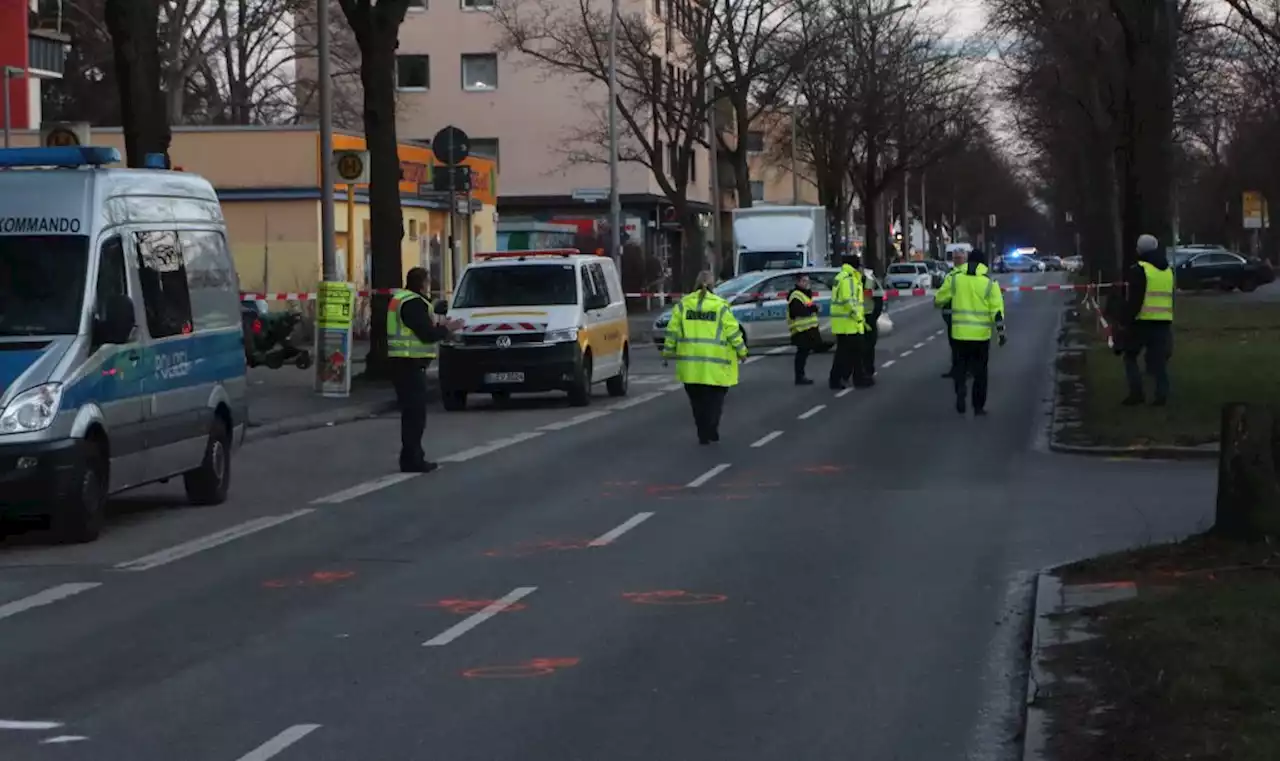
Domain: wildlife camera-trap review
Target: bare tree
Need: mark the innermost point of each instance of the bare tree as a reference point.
(133, 25)
(663, 93)
(344, 55)
(375, 25)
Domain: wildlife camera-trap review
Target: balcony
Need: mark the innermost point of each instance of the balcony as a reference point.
(47, 53)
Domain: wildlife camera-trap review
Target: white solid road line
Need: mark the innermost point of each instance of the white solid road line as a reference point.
(673, 387)
(811, 412)
(491, 447)
(585, 417)
(636, 401)
(779, 350)
(39, 599)
(33, 725)
(217, 539)
(844, 392)
(368, 487)
(765, 439)
(710, 474)
(750, 360)
(889, 363)
(62, 739)
(273, 747)
(612, 534)
(919, 345)
(474, 620)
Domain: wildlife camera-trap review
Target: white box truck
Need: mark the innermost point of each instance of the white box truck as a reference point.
(779, 237)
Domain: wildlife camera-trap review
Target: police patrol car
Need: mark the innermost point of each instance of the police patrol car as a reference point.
(759, 302)
(121, 355)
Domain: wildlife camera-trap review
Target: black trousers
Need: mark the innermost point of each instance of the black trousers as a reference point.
(802, 360)
(955, 362)
(707, 403)
(849, 361)
(867, 355)
(971, 359)
(1155, 339)
(409, 377)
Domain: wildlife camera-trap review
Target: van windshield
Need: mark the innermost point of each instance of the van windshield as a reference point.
(42, 281)
(521, 285)
(755, 261)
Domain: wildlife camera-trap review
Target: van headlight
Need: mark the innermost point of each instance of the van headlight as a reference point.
(32, 410)
(563, 335)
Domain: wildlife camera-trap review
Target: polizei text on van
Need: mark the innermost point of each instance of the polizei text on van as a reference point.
(15, 225)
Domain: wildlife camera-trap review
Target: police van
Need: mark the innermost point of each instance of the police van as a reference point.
(548, 320)
(121, 355)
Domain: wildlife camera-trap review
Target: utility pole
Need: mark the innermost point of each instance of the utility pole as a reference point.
(615, 201)
(328, 249)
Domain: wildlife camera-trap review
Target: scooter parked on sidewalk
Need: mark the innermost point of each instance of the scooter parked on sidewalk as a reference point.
(268, 338)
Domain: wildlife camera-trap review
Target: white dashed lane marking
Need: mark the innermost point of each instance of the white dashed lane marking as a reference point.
(811, 412)
(765, 439)
(40, 599)
(474, 620)
(610, 536)
(710, 474)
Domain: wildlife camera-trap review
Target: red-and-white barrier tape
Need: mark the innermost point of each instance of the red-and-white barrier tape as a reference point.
(887, 293)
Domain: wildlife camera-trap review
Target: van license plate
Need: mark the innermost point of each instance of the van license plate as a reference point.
(504, 378)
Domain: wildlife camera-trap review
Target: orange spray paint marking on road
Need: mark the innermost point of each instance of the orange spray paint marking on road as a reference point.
(317, 579)
(674, 597)
(531, 668)
(469, 607)
(524, 549)
(822, 469)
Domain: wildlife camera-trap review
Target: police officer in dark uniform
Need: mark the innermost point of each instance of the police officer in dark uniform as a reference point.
(412, 335)
(802, 321)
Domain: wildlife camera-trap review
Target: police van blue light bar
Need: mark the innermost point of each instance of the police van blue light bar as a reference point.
(69, 156)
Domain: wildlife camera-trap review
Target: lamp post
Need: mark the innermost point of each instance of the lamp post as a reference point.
(615, 202)
(10, 72)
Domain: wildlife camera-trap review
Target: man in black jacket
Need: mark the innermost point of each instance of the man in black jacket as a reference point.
(415, 345)
(1147, 322)
(868, 356)
(802, 320)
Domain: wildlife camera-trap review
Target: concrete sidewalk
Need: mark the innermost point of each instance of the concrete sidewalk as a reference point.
(284, 401)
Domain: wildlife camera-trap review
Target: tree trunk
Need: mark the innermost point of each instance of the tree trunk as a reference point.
(741, 167)
(693, 248)
(378, 36)
(135, 41)
(1248, 505)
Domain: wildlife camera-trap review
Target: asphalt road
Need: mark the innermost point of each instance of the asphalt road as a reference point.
(843, 576)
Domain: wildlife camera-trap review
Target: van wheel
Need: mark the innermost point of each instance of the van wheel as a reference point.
(209, 483)
(618, 384)
(453, 401)
(580, 393)
(80, 516)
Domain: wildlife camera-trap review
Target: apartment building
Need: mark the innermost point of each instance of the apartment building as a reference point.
(32, 49)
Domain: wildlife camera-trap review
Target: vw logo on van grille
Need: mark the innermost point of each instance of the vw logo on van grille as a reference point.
(503, 342)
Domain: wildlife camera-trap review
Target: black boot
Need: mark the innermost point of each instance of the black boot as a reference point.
(802, 381)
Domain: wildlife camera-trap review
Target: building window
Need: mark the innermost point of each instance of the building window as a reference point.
(755, 141)
(757, 190)
(477, 5)
(693, 165)
(673, 159)
(485, 147)
(479, 72)
(417, 5)
(413, 72)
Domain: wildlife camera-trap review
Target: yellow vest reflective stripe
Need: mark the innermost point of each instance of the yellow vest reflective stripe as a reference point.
(801, 324)
(1157, 303)
(403, 343)
(846, 303)
(705, 340)
(972, 318)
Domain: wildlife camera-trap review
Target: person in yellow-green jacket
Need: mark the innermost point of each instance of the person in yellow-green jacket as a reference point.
(706, 342)
(942, 300)
(848, 324)
(977, 310)
(1149, 302)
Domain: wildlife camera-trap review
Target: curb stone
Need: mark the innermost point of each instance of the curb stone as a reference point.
(1066, 416)
(1053, 599)
(356, 412)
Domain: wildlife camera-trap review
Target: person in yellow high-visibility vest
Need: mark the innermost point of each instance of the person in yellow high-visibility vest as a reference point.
(412, 334)
(1149, 302)
(706, 342)
(802, 322)
(977, 310)
(848, 323)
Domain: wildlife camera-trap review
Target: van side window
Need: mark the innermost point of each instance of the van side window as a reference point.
(598, 281)
(113, 278)
(163, 276)
(211, 279)
(588, 287)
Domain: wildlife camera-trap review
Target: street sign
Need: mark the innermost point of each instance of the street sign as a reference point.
(1255, 210)
(462, 205)
(351, 167)
(428, 193)
(456, 179)
(451, 145)
(991, 220)
(64, 134)
(590, 194)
